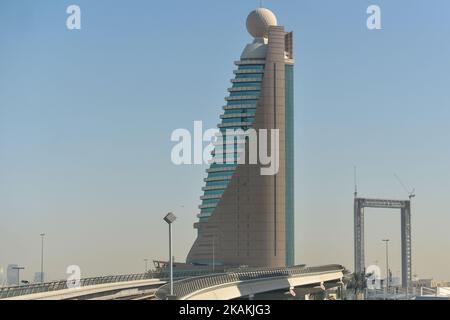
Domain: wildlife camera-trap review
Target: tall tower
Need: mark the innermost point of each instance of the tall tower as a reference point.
(247, 218)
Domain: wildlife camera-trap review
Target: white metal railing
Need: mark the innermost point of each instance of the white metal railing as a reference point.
(398, 293)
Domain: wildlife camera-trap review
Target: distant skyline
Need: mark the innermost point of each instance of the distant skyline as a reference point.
(86, 118)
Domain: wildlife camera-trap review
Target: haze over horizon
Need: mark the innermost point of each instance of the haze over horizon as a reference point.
(86, 118)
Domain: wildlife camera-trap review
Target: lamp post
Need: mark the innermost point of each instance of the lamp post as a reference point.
(146, 265)
(214, 253)
(387, 263)
(170, 218)
(42, 257)
(18, 273)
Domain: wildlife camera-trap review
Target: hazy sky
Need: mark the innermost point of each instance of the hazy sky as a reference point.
(86, 118)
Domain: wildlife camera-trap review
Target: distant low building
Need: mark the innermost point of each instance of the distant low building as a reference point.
(2, 277)
(11, 275)
(441, 284)
(39, 277)
(430, 283)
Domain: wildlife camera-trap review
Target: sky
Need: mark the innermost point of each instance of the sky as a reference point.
(86, 118)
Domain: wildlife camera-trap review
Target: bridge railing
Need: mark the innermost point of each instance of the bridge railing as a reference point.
(392, 293)
(188, 286)
(16, 291)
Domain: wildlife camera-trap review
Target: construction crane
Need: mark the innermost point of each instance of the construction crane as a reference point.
(412, 193)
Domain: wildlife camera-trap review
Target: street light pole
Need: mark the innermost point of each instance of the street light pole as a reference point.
(171, 259)
(42, 257)
(170, 218)
(214, 253)
(387, 263)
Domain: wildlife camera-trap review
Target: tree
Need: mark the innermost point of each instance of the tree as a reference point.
(357, 282)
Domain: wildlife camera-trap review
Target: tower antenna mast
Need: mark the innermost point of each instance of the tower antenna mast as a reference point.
(356, 181)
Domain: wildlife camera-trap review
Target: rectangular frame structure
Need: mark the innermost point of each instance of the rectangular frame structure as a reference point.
(405, 210)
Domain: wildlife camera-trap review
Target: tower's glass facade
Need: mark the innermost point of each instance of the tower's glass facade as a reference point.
(239, 113)
(290, 221)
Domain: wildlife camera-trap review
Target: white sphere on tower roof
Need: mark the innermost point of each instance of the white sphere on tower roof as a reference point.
(259, 21)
